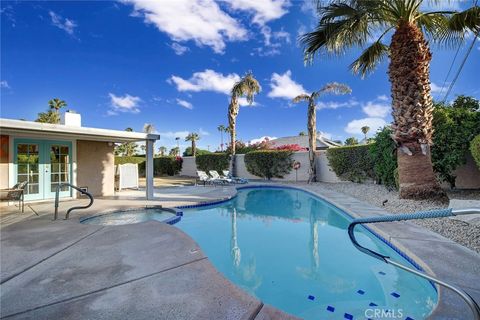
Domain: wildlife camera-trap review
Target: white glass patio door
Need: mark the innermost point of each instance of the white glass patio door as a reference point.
(44, 164)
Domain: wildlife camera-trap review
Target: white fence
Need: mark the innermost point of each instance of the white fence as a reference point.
(324, 173)
(468, 175)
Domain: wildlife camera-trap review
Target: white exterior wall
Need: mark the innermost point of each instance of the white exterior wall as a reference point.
(189, 168)
(324, 172)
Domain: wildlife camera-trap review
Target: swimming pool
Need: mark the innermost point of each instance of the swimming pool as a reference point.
(291, 250)
(167, 215)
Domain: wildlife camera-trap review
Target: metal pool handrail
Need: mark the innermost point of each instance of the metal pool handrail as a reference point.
(412, 216)
(57, 195)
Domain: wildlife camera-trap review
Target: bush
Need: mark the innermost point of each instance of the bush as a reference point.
(269, 163)
(455, 126)
(384, 158)
(167, 166)
(212, 161)
(188, 152)
(475, 149)
(353, 163)
(123, 160)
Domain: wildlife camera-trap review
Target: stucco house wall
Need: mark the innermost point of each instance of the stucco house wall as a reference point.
(4, 160)
(96, 167)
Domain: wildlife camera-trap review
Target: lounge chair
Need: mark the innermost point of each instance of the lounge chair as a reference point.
(202, 176)
(217, 177)
(228, 175)
(17, 193)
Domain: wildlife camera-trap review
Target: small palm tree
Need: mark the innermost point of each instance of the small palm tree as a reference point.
(174, 151)
(162, 150)
(335, 88)
(148, 128)
(351, 141)
(248, 86)
(344, 24)
(193, 137)
(56, 104)
(365, 130)
(222, 129)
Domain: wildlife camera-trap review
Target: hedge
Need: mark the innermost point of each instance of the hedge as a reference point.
(212, 161)
(269, 163)
(161, 165)
(475, 149)
(384, 157)
(353, 163)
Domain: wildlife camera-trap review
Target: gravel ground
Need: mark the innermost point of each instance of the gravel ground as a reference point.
(461, 232)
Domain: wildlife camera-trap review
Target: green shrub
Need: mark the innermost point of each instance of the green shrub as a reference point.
(269, 163)
(123, 160)
(455, 126)
(384, 158)
(212, 161)
(167, 166)
(475, 149)
(353, 163)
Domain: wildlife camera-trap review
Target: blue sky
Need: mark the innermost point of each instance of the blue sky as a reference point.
(172, 63)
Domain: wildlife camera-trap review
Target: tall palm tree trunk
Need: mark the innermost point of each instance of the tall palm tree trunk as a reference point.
(232, 119)
(412, 112)
(312, 139)
(194, 147)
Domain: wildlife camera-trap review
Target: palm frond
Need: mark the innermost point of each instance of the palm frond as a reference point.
(334, 88)
(468, 19)
(369, 59)
(301, 97)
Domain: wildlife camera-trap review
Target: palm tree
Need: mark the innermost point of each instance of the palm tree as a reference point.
(222, 129)
(248, 86)
(344, 24)
(148, 128)
(174, 152)
(162, 150)
(335, 88)
(56, 104)
(194, 137)
(352, 141)
(365, 130)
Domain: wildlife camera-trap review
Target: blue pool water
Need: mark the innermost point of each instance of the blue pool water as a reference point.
(291, 249)
(129, 217)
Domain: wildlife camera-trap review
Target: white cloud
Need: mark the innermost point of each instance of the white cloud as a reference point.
(284, 87)
(126, 103)
(174, 134)
(65, 24)
(257, 140)
(207, 80)
(242, 101)
(4, 84)
(335, 105)
(435, 89)
(354, 126)
(202, 132)
(376, 110)
(202, 21)
(383, 98)
(179, 49)
(263, 10)
(184, 104)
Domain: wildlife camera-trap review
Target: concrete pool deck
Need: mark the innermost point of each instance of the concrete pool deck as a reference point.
(65, 269)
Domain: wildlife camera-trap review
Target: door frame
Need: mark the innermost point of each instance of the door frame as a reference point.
(44, 156)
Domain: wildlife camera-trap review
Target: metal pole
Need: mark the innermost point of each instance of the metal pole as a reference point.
(57, 194)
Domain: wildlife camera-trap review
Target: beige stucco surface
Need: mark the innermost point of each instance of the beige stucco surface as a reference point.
(96, 167)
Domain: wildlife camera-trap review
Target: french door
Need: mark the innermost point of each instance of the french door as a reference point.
(44, 164)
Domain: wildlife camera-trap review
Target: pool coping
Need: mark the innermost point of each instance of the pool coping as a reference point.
(448, 305)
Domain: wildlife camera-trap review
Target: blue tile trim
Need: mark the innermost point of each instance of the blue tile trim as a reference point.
(172, 220)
